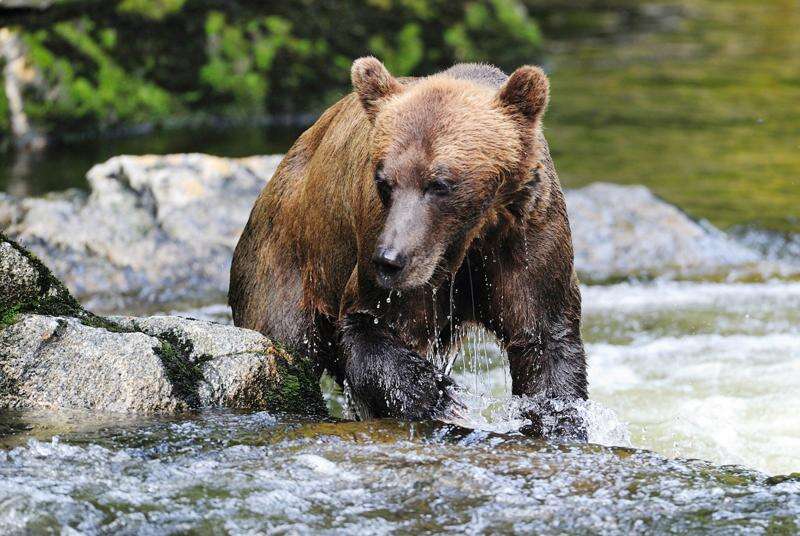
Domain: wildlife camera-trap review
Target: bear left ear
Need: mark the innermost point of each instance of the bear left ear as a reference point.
(373, 84)
(525, 93)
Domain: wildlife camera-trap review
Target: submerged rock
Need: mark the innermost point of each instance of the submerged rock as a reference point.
(161, 229)
(55, 355)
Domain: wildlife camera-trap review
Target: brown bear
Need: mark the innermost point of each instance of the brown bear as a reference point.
(411, 209)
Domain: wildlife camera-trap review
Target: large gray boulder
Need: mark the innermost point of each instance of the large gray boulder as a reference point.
(149, 365)
(57, 363)
(236, 368)
(626, 231)
(55, 355)
(154, 229)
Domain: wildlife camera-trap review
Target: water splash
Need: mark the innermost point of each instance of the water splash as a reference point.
(507, 415)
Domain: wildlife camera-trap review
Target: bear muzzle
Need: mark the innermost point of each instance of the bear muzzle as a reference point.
(389, 266)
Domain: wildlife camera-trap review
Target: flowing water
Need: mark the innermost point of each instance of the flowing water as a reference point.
(253, 473)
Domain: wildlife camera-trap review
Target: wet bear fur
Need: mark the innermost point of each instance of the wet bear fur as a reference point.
(411, 210)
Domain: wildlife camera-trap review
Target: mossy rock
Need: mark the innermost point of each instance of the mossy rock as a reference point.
(233, 367)
(27, 286)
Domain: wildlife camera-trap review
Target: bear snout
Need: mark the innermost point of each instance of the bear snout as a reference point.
(389, 264)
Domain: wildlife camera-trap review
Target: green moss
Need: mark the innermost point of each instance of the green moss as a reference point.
(9, 316)
(184, 375)
(53, 298)
(298, 391)
(780, 479)
(781, 525)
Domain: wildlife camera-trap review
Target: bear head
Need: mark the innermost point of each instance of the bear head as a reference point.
(445, 153)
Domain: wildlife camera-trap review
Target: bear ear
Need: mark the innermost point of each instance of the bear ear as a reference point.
(373, 84)
(525, 93)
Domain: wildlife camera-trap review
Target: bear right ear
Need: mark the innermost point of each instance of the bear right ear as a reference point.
(525, 93)
(373, 84)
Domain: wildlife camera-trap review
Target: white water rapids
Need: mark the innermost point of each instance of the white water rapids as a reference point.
(697, 370)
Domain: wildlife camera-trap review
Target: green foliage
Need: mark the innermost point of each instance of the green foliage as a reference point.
(153, 9)
(408, 51)
(241, 57)
(493, 32)
(124, 62)
(87, 86)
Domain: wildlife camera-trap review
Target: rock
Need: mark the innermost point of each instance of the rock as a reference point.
(9, 210)
(237, 368)
(161, 230)
(626, 231)
(27, 285)
(55, 355)
(149, 365)
(154, 229)
(19, 279)
(198, 340)
(57, 363)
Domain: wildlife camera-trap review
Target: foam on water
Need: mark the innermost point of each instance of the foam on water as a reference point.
(678, 295)
(702, 370)
(506, 414)
(730, 399)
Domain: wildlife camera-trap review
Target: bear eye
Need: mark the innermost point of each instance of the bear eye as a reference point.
(438, 187)
(383, 186)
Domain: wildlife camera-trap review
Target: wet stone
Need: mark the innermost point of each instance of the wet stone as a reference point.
(58, 363)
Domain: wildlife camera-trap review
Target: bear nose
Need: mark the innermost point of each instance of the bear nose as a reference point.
(389, 261)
